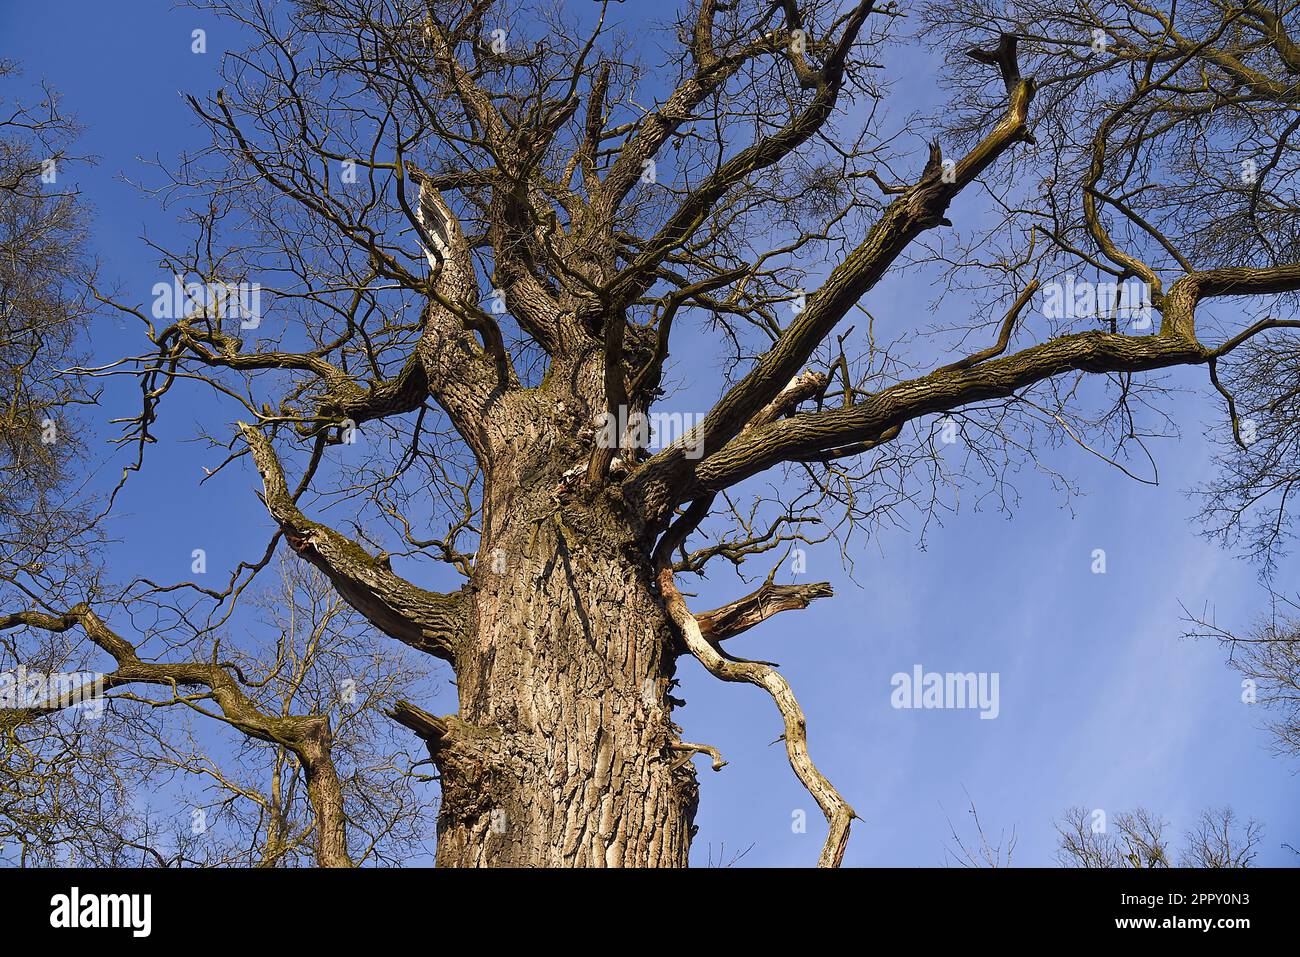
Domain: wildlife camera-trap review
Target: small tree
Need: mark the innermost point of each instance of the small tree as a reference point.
(1220, 840)
(1267, 656)
(1133, 839)
(1136, 839)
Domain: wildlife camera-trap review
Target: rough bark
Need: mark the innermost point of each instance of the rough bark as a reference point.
(326, 796)
(563, 750)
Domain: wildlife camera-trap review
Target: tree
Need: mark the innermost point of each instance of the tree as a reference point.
(1217, 840)
(46, 528)
(47, 525)
(978, 850)
(1267, 656)
(1137, 839)
(469, 236)
(317, 775)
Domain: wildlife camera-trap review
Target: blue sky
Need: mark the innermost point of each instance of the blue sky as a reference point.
(1102, 703)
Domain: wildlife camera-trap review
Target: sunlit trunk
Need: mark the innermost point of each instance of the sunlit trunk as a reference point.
(565, 758)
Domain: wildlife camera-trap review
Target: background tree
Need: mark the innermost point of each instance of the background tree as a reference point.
(316, 774)
(1267, 656)
(478, 227)
(1219, 839)
(47, 523)
(979, 849)
(1133, 839)
(1137, 839)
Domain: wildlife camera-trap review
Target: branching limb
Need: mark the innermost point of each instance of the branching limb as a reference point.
(432, 729)
(427, 621)
(739, 616)
(688, 748)
(920, 208)
(1004, 337)
(839, 815)
(308, 737)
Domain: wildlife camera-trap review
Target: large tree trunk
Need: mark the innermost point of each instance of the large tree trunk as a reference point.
(563, 752)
